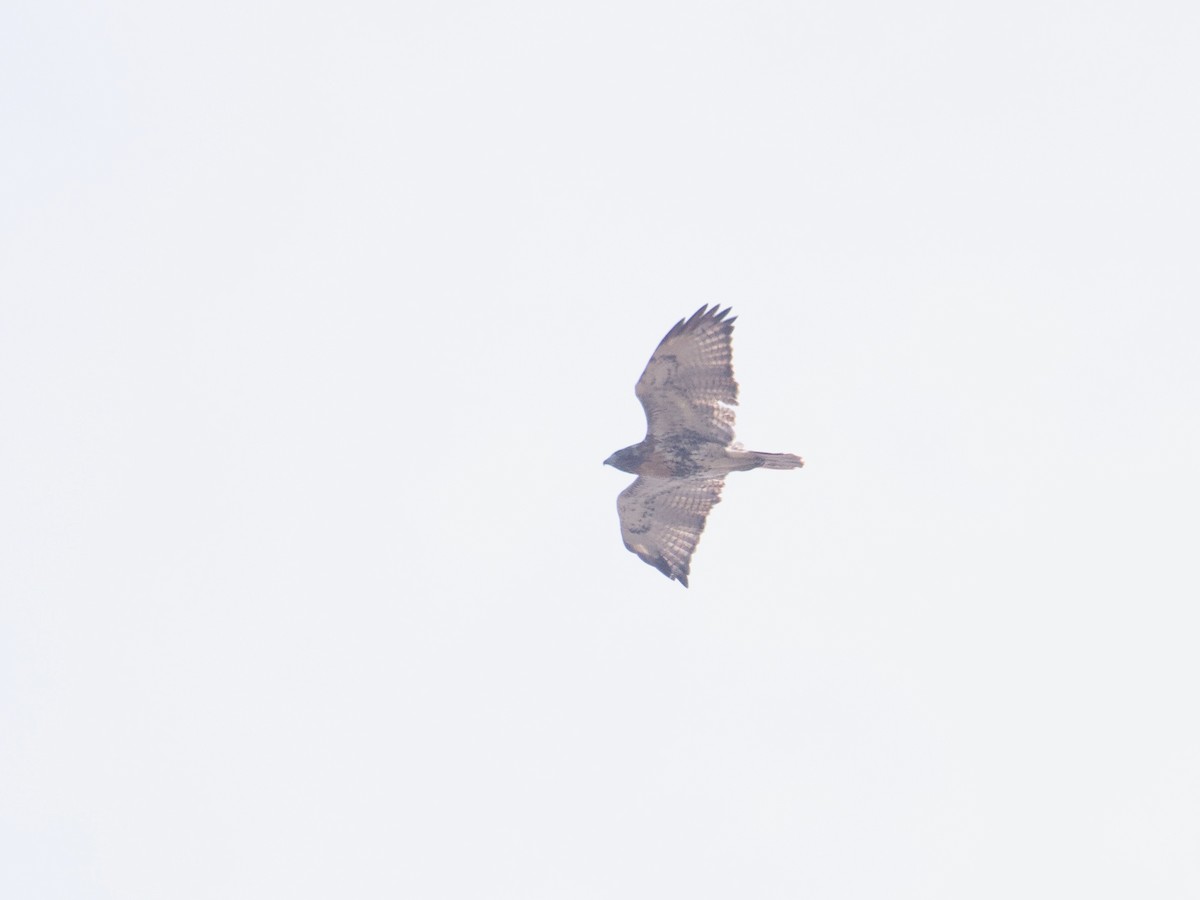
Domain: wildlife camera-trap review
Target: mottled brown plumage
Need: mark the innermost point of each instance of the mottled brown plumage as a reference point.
(688, 392)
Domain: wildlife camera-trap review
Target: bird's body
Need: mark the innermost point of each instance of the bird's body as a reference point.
(688, 392)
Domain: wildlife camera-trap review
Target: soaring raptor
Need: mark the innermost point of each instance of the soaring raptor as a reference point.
(689, 393)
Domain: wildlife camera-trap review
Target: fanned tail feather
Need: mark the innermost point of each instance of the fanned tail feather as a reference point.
(774, 461)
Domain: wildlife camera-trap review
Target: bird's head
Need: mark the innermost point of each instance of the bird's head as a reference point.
(626, 460)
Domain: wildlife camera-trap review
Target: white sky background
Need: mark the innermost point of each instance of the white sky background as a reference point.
(316, 322)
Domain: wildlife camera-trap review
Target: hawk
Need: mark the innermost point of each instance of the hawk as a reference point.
(688, 393)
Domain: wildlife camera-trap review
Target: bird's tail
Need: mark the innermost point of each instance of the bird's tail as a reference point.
(754, 459)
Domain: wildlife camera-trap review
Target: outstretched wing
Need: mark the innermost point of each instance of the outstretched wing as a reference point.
(662, 518)
(688, 384)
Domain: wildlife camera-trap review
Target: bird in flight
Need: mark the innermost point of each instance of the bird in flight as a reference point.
(688, 393)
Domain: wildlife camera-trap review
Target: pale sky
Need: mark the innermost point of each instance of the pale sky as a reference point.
(317, 321)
